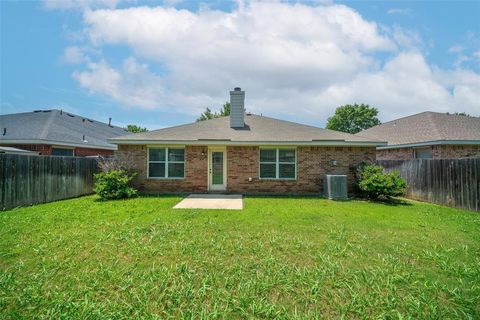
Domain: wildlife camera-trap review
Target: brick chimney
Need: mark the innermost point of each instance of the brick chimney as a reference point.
(237, 108)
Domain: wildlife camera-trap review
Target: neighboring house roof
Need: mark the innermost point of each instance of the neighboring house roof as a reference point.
(427, 128)
(11, 150)
(58, 128)
(257, 130)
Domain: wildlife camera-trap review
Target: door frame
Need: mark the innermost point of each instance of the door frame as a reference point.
(222, 187)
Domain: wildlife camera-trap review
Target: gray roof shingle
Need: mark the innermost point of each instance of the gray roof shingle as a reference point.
(426, 127)
(257, 129)
(56, 126)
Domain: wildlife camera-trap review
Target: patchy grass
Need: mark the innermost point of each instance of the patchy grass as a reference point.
(277, 258)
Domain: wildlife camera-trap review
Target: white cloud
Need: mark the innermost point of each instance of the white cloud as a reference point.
(293, 60)
(455, 49)
(406, 38)
(476, 57)
(407, 85)
(464, 56)
(133, 84)
(404, 11)
(74, 55)
(79, 4)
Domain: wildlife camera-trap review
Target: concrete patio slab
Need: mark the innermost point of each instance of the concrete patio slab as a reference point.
(211, 201)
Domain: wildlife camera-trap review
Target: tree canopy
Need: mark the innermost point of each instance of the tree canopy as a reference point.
(208, 114)
(353, 118)
(135, 129)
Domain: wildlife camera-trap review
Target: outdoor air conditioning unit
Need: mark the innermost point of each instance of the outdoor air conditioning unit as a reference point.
(335, 187)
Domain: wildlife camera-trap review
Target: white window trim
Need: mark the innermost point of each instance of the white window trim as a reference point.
(166, 161)
(277, 162)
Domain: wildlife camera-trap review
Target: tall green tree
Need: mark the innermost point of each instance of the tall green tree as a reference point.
(353, 118)
(135, 129)
(208, 114)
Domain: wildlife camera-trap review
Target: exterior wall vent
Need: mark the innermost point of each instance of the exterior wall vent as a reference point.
(237, 108)
(335, 187)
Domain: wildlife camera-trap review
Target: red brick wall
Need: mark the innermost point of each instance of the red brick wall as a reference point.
(196, 166)
(84, 152)
(46, 150)
(243, 162)
(438, 152)
(455, 151)
(312, 164)
(395, 154)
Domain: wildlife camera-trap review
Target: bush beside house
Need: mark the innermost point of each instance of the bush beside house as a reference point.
(375, 183)
(114, 184)
(115, 180)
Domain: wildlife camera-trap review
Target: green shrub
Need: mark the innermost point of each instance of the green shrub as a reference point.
(376, 183)
(114, 184)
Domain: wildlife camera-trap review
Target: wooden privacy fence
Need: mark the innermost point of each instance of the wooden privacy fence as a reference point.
(26, 180)
(451, 182)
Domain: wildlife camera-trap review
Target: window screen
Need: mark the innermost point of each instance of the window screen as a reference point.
(166, 162)
(62, 152)
(277, 163)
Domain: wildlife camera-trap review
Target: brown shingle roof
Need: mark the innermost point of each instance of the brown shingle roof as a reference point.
(426, 127)
(257, 129)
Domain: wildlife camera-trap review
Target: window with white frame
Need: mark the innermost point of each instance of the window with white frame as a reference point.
(166, 162)
(277, 163)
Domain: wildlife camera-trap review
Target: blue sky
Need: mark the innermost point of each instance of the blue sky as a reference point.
(160, 65)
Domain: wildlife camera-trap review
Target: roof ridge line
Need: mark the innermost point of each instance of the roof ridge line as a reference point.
(434, 125)
(181, 125)
(48, 124)
(401, 118)
(298, 123)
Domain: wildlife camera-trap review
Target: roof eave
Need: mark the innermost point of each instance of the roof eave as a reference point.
(248, 143)
(56, 143)
(430, 143)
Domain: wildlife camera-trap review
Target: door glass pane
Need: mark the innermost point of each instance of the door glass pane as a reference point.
(175, 154)
(156, 154)
(287, 171)
(217, 167)
(156, 170)
(267, 170)
(268, 155)
(286, 155)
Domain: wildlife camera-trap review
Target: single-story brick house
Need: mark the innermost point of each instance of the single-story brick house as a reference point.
(427, 135)
(58, 133)
(243, 153)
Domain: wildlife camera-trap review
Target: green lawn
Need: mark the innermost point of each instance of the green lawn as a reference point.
(277, 258)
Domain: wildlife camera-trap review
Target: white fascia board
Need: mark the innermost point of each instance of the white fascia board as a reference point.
(250, 143)
(431, 143)
(56, 143)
